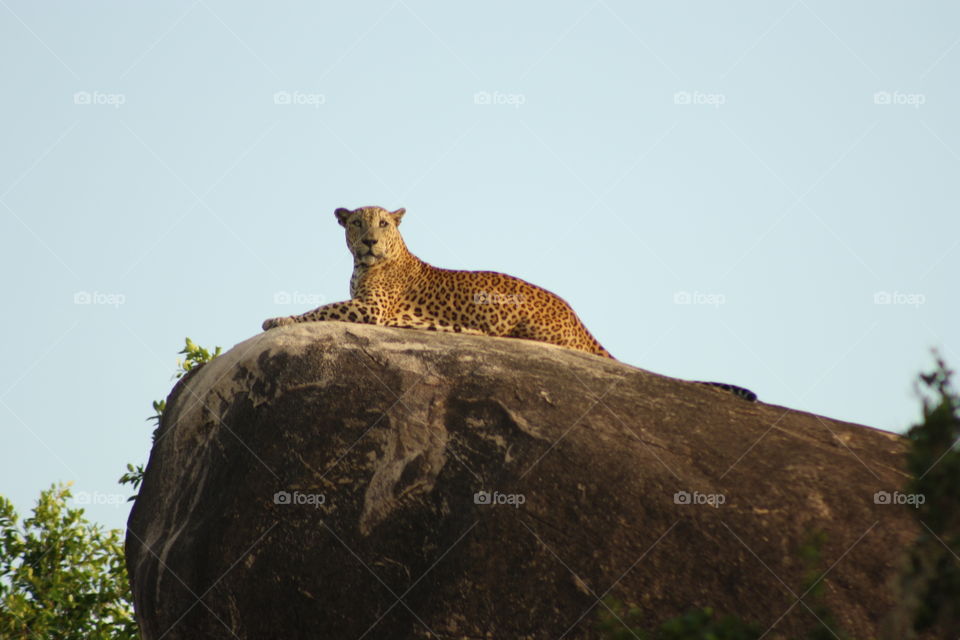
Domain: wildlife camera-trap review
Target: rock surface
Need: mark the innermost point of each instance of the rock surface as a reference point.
(325, 481)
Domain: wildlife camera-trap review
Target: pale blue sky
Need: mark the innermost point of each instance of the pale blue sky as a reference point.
(180, 163)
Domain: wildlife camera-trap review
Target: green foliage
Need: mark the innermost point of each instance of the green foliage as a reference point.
(133, 477)
(617, 622)
(194, 357)
(61, 577)
(158, 407)
(703, 624)
(933, 460)
(930, 586)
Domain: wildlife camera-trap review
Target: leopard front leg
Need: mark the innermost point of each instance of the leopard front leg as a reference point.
(414, 322)
(347, 311)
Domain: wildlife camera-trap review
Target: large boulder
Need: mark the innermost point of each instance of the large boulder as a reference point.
(332, 480)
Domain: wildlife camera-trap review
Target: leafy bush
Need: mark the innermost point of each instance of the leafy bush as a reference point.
(62, 577)
(194, 357)
(929, 589)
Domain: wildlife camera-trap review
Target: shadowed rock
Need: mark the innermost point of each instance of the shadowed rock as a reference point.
(332, 480)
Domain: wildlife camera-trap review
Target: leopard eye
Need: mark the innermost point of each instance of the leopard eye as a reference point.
(357, 223)
(383, 223)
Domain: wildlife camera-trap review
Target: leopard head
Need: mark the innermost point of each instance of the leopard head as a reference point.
(372, 234)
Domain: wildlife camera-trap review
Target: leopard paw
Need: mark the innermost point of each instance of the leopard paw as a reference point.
(277, 322)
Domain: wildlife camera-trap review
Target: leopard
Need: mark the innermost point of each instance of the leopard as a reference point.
(392, 287)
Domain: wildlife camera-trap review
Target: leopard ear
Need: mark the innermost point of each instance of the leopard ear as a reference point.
(397, 215)
(342, 215)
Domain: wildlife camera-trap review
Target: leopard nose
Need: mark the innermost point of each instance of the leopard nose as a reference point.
(370, 241)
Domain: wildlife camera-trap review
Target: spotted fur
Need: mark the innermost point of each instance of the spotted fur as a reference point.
(392, 287)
